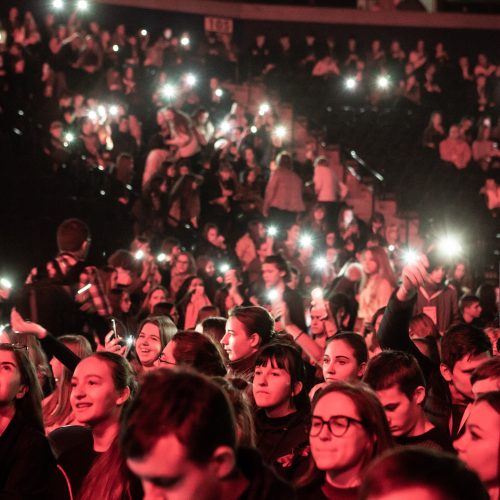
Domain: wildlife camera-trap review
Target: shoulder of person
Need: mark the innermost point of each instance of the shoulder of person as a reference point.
(69, 438)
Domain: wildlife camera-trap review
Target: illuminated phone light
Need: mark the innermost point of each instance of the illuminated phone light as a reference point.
(84, 288)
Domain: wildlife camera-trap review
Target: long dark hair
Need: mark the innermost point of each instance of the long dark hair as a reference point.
(29, 407)
(109, 476)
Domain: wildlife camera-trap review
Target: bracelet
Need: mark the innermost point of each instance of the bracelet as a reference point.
(297, 337)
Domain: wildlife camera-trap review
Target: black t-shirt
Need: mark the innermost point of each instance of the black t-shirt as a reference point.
(264, 484)
(284, 442)
(26, 461)
(321, 490)
(73, 446)
(435, 438)
(74, 449)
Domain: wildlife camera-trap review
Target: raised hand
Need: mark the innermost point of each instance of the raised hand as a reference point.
(19, 324)
(413, 276)
(112, 344)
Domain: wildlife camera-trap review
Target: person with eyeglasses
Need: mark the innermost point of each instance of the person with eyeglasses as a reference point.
(348, 430)
(26, 460)
(182, 267)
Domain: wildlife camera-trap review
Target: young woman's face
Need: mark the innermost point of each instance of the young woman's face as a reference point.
(125, 303)
(156, 297)
(339, 363)
(171, 171)
(94, 398)
(196, 285)
(10, 379)
(436, 119)
(182, 263)
(148, 344)
(272, 389)
(236, 342)
(317, 321)
(330, 239)
(174, 314)
(437, 275)
(478, 446)
(344, 453)
(370, 265)
(212, 235)
(210, 268)
(459, 271)
(348, 217)
(331, 255)
(249, 155)
(319, 214)
(87, 127)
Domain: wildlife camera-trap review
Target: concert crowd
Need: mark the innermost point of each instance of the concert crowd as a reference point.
(218, 322)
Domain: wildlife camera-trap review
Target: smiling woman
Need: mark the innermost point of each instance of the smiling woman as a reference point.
(155, 332)
(348, 429)
(103, 385)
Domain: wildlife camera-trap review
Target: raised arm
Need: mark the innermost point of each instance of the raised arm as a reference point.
(299, 335)
(51, 345)
(394, 329)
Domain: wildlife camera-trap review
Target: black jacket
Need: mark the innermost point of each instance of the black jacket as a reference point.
(394, 334)
(26, 462)
(284, 442)
(264, 483)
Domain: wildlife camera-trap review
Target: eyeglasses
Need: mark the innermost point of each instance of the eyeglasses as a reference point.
(337, 425)
(16, 346)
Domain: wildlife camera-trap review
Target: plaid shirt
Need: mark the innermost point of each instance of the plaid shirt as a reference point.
(93, 299)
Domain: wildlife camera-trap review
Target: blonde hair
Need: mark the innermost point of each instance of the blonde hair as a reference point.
(56, 408)
(384, 269)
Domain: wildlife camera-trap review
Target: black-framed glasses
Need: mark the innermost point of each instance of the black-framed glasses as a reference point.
(17, 346)
(337, 425)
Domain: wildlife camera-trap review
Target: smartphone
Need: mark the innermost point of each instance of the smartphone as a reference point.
(121, 341)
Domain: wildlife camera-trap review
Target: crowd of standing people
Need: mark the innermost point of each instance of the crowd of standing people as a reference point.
(248, 335)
